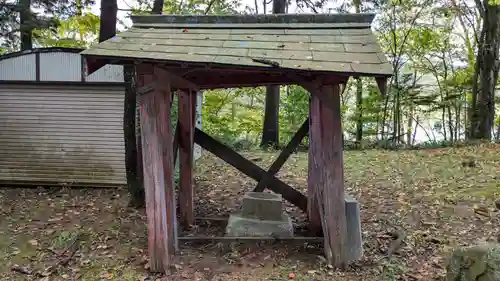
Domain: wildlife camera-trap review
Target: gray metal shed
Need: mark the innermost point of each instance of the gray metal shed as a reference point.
(58, 126)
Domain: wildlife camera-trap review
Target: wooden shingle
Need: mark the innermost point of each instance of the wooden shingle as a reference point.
(331, 43)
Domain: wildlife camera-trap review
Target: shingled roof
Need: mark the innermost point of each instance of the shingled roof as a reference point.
(340, 43)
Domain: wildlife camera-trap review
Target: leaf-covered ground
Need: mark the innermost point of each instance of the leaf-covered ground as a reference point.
(432, 200)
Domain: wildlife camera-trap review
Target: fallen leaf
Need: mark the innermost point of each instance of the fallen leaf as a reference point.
(482, 211)
(33, 242)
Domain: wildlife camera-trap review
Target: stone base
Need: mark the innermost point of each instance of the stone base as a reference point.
(476, 263)
(262, 206)
(354, 237)
(244, 227)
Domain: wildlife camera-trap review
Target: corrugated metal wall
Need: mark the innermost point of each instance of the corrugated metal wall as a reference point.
(60, 66)
(21, 68)
(63, 134)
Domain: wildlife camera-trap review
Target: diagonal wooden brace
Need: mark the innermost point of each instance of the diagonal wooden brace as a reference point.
(250, 169)
(284, 155)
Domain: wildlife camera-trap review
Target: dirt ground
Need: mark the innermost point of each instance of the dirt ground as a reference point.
(432, 200)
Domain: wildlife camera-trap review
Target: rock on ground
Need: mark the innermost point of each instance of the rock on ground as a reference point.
(476, 263)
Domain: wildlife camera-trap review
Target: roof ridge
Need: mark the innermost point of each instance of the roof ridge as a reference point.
(342, 18)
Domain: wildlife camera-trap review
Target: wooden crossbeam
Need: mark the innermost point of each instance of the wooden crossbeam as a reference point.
(178, 82)
(251, 238)
(162, 74)
(250, 169)
(284, 155)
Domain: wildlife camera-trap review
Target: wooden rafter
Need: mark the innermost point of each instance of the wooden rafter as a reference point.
(215, 78)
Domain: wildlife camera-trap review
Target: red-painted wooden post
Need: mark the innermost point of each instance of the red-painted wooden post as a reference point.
(187, 106)
(313, 209)
(156, 133)
(326, 158)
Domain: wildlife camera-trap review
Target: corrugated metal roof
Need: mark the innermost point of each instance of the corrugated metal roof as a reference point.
(328, 42)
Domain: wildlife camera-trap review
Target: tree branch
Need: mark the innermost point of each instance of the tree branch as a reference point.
(480, 7)
(209, 7)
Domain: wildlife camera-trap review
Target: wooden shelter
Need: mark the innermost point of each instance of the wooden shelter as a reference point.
(184, 54)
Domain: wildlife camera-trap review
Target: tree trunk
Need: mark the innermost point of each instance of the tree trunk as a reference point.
(497, 136)
(396, 118)
(488, 73)
(443, 120)
(26, 24)
(133, 165)
(132, 131)
(359, 110)
(359, 94)
(107, 27)
(109, 9)
(157, 7)
(409, 131)
(270, 132)
(458, 114)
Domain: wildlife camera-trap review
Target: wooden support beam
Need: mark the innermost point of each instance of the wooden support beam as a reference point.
(179, 82)
(156, 135)
(315, 225)
(176, 142)
(313, 206)
(176, 81)
(314, 88)
(284, 155)
(326, 171)
(186, 113)
(250, 169)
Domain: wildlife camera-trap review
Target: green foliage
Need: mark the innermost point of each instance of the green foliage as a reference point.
(48, 16)
(419, 37)
(294, 109)
(78, 31)
(234, 115)
(392, 271)
(372, 102)
(190, 7)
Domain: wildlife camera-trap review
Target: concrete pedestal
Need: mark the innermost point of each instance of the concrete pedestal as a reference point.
(261, 215)
(245, 227)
